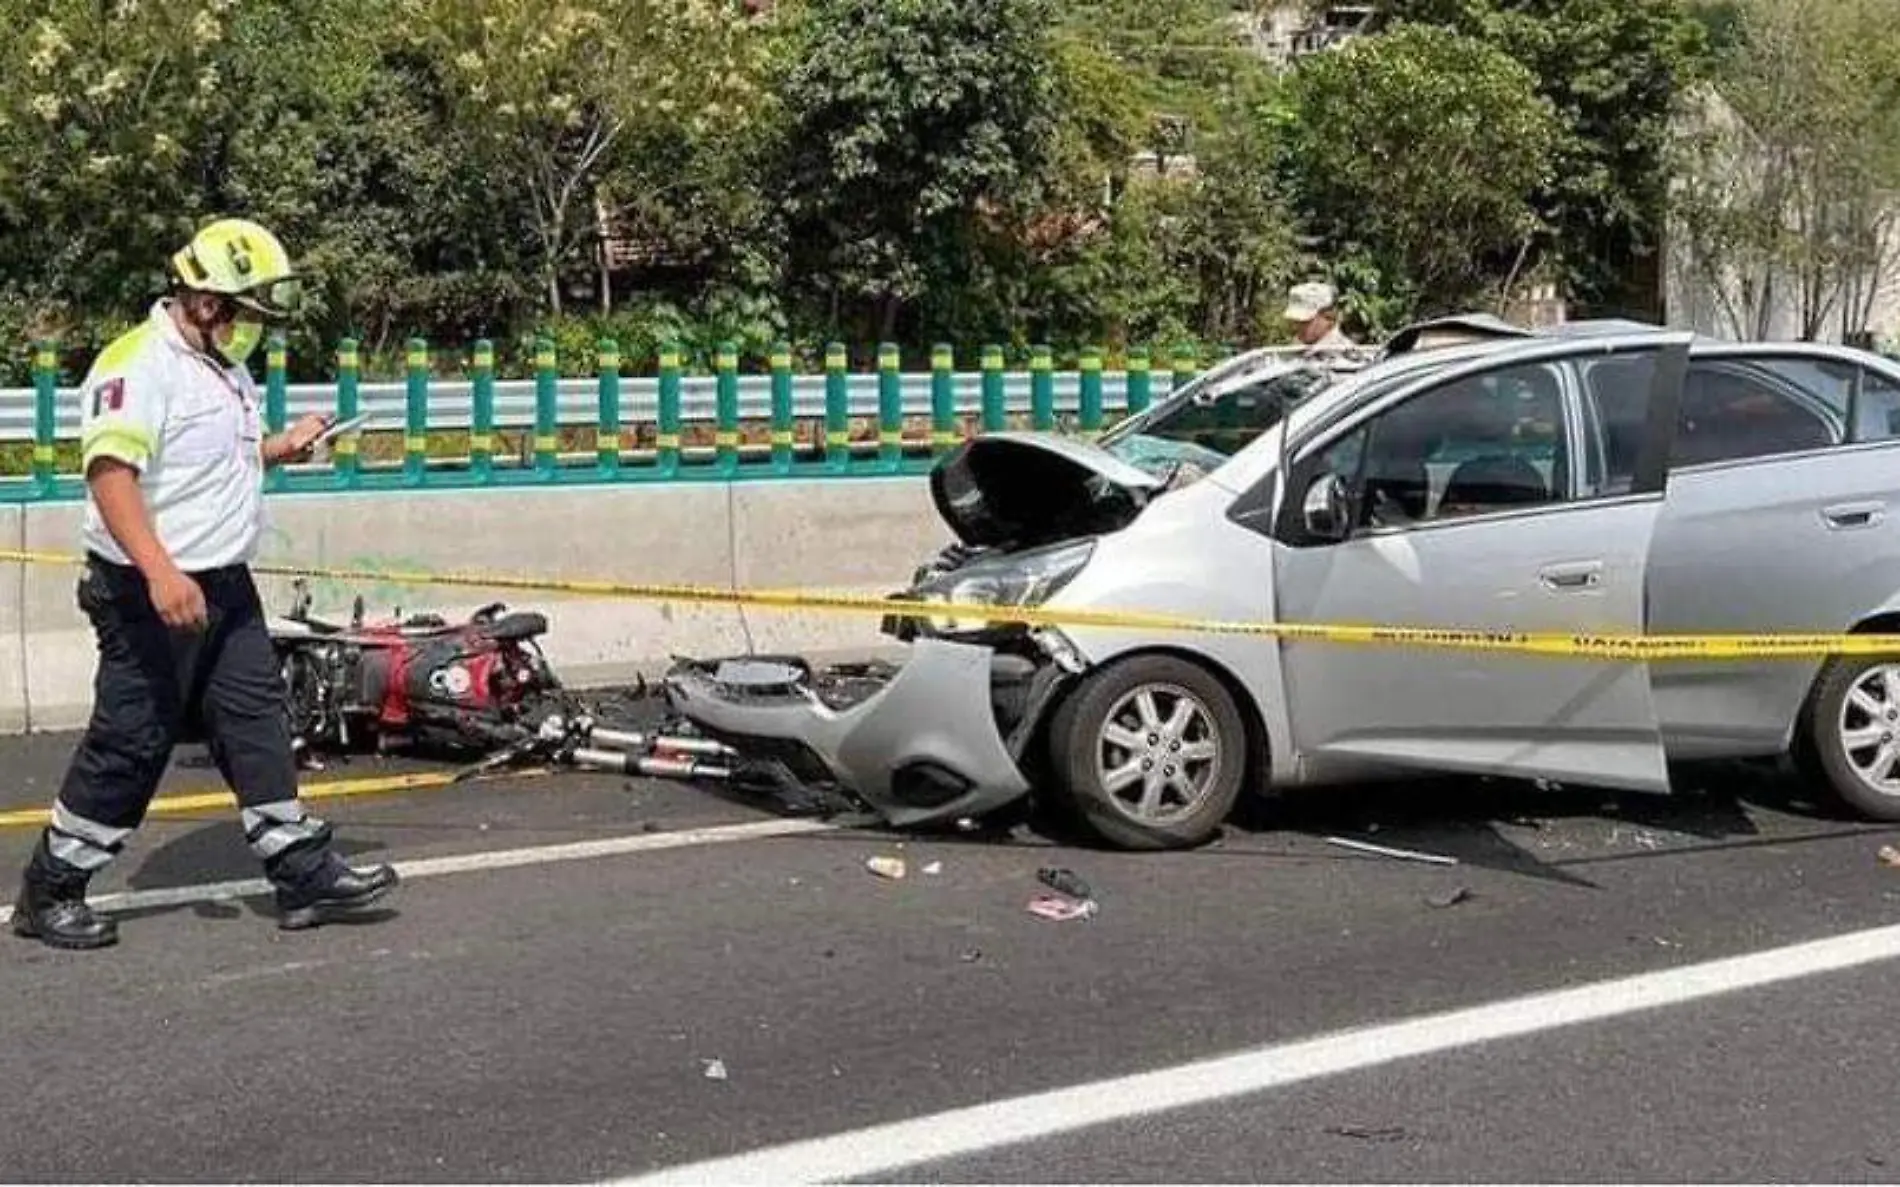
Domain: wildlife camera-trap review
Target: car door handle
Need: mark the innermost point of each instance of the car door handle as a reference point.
(1581, 575)
(1854, 515)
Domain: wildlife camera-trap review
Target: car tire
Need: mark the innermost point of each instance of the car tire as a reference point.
(1853, 717)
(1198, 759)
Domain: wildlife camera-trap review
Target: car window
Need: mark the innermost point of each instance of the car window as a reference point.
(1616, 394)
(1734, 409)
(1485, 443)
(1877, 415)
(1187, 439)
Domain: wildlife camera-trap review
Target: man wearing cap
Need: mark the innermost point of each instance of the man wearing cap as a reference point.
(1313, 310)
(174, 456)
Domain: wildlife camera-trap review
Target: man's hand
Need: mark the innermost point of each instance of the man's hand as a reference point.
(178, 600)
(295, 443)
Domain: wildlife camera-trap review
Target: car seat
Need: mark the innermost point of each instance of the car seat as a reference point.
(1495, 481)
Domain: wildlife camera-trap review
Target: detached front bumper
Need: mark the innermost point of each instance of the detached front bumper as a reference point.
(938, 738)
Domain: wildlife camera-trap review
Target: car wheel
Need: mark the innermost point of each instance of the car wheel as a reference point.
(1853, 733)
(1150, 753)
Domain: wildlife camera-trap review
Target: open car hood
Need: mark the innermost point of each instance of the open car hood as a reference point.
(1023, 490)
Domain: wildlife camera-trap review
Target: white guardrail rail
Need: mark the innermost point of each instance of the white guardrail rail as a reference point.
(577, 401)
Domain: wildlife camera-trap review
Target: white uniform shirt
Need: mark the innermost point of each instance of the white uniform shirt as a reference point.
(191, 425)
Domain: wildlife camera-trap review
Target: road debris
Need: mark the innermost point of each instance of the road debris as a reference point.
(1889, 856)
(715, 1069)
(1061, 908)
(885, 867)
(970, 956)
(1389, 1133)
(1387, 851)
(933, 869)
(1450, 898)
(1064, 882)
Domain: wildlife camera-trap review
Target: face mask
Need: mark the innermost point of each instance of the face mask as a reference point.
(246, 333)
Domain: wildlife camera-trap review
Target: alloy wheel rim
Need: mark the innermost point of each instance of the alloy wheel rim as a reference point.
(1158, 754)
(1869, 729)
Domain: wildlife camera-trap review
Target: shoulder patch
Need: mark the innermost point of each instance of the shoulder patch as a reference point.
(108, 396)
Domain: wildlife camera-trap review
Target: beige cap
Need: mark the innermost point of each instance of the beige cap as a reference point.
(1308, 301)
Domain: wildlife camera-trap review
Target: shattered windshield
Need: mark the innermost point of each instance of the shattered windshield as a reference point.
(1196, 430)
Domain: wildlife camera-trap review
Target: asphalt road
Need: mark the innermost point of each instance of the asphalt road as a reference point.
(606, 1016)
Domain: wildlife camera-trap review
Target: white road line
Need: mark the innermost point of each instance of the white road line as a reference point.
(435, 867)
(879, 1151)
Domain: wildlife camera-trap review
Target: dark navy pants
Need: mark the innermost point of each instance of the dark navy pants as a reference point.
(156, 687)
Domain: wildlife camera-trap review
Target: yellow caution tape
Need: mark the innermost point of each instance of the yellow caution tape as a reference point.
(668, 441)
(608, 443)
(782, 437)
(1566, 645)
(546, 443)
(838, 438)
(726, 439)
(44, 454)
(417, 444)
(481, 443)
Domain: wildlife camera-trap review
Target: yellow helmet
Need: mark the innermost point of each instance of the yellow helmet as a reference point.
(239, 259)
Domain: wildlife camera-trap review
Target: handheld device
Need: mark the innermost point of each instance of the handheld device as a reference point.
(355, 424)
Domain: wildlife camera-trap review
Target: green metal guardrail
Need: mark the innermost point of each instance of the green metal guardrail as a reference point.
(671, 451)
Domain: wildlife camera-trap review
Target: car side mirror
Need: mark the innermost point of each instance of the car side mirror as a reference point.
(1327, 510)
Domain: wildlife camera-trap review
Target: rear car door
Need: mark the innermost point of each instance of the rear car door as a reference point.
(1465, 510)
(1783, 516)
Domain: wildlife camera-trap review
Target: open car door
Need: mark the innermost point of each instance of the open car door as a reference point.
(1496, 495)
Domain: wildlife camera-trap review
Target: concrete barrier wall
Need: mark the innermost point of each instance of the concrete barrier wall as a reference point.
(13, 717)
(862, 536)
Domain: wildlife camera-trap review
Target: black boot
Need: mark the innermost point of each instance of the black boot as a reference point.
(326, 889)
(52, 906)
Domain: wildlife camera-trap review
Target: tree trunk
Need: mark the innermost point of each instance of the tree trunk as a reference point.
(555, 236)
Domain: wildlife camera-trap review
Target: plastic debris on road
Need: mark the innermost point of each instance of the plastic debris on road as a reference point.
(715, 1069)
(1062, 908)
(1388, 851)
(1064, 882)
(885, 867)
(934, 868)
(1889, 856)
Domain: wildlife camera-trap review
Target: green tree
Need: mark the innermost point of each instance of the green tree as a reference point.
(1614, 71)
(129, 124)
(1420, 151)
(550, 90)
(912, 124)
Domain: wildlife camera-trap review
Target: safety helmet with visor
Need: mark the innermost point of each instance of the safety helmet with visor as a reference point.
(245, 264)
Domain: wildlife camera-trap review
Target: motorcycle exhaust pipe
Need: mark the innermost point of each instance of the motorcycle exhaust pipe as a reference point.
(621, 763)
(628, 740)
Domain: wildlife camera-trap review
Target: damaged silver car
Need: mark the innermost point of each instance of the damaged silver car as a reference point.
(1606, 478)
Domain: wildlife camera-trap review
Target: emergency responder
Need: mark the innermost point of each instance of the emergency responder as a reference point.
(1314, 311)
(174, 456)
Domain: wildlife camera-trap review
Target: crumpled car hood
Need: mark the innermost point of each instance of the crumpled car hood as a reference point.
(1023, 490)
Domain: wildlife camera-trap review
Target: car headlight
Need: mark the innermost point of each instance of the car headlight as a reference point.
(1022, 580)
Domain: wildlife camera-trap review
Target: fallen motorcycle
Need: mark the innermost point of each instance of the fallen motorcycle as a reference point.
(419, 681)
(482, 691)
